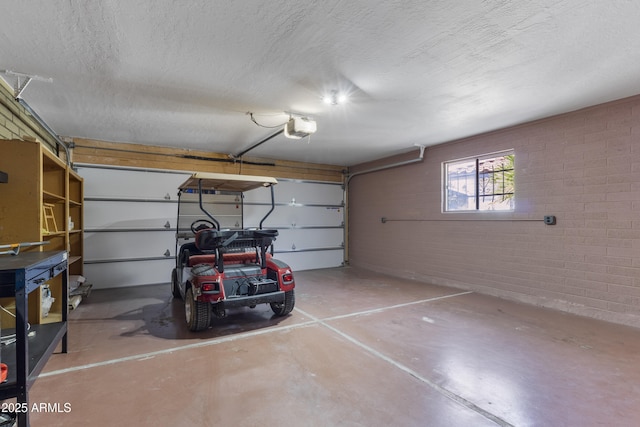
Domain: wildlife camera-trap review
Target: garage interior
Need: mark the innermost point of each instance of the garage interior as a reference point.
(416, 305)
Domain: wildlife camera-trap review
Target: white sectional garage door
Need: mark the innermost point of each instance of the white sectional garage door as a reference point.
(130, 219)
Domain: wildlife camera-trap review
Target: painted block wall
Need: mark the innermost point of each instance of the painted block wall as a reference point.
(582, 167)
(16, 122)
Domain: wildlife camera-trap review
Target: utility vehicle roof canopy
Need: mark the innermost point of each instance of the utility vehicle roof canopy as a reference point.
(226, 182)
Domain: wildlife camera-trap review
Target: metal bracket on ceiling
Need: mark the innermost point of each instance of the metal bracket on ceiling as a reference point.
(22, 80)
(245, 151)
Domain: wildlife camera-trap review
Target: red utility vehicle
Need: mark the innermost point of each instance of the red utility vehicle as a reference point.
(219, 268)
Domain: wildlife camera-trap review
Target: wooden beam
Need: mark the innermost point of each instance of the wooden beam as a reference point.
(155, 157)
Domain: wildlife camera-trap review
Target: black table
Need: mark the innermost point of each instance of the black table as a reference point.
(20, 275)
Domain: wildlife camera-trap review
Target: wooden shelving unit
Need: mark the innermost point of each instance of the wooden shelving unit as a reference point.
(75, 225)
(40, 179)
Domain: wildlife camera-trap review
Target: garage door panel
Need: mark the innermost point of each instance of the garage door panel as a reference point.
(296, 216)
(128, 244)
(300, 261)
(134, 273)
(113, 215)
(300, 192)
(302, 239)
(228, 214)
(134, 184)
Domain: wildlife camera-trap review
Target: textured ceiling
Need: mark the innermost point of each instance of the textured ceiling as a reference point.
(185, 73)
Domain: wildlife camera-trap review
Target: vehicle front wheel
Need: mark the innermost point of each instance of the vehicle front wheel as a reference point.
(175, 290)
(197, 314)
(284, 308)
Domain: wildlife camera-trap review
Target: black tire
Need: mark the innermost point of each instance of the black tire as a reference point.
(175, 290)
(197, 314)
(284, 308)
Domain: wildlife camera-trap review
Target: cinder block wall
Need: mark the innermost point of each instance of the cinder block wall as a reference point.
(16, 122)
(582, 167)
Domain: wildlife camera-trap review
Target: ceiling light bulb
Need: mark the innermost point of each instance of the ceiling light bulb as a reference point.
(334, 98)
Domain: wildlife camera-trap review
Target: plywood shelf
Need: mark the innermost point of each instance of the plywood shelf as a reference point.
(52, 198)
(54, 234)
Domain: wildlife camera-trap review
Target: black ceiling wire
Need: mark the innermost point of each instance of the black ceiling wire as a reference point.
(261, 125)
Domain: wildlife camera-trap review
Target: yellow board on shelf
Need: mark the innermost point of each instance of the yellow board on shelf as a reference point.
(49, 218)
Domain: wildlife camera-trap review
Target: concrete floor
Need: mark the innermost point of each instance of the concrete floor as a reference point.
(360, 349)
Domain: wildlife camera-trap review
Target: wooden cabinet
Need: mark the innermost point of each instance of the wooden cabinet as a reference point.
(42, 201)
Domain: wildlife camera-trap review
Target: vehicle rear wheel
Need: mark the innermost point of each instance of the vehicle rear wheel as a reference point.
(284, 308)
(175, 290)
(197, 314)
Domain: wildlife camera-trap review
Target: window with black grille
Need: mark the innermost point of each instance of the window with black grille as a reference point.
(482, 183)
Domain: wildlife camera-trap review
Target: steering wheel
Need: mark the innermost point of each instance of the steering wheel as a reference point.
(201, 224)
